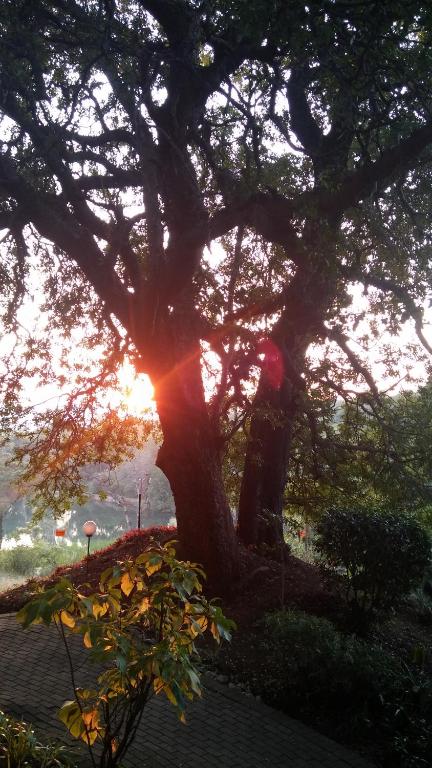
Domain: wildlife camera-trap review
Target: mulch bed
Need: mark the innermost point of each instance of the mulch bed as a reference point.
(262, 584)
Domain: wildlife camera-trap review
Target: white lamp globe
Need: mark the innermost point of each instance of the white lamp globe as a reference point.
(89, 528)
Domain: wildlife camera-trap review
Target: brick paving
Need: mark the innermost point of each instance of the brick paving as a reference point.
(225, 729)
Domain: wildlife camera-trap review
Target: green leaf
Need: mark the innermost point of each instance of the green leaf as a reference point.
(70, 715)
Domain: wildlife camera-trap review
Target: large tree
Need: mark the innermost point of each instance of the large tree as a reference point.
(135, 133)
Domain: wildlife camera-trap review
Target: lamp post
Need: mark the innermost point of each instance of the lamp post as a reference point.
(140, 489)
(89, 529)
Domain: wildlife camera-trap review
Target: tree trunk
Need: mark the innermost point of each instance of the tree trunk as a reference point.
(190, 458)
(264, 478)
(279, 396)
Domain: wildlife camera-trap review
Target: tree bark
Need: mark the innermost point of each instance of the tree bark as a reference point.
(190, 457)
(279, 395)
(267, 455)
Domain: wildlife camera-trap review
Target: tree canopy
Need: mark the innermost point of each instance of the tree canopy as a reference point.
(203, 183)
(368, 457)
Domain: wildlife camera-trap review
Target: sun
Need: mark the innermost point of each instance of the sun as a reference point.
(136, 391)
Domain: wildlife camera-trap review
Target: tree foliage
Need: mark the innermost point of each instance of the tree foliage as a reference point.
(182, 177)
(364, 454)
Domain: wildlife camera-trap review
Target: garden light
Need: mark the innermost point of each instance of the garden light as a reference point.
(140, 490)
(89, 529)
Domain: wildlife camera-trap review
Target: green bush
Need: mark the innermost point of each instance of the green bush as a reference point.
(311, 666)
(353, 690)
(379, 555)
(20, 748)
(39, 558)
(421, 605)
(21, 561)
(407, 722)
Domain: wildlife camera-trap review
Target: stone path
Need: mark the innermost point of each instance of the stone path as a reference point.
(226, 729)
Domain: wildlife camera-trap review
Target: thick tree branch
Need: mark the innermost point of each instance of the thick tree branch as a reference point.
(119, 180)
(362, 182)
(46, 144)
(111, 136)
(302, 121)
(271, 215)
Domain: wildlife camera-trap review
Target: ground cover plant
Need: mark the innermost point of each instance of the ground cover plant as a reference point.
(41, 558)
(141, 626)
(20, 748)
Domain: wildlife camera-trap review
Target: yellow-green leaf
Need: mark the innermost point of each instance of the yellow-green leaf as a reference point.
(169, 694)
(152, 568)
(67, 619)
(100, 609)
(127, 584)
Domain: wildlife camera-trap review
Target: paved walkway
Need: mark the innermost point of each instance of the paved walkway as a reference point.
(226, 729)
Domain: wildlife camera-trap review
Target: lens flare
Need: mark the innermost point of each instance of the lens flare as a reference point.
(137, 391)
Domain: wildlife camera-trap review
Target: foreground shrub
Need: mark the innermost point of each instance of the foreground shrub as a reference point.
(379, 556)
(141, 626)
(19, 747)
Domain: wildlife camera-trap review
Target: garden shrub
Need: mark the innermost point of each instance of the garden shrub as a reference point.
(353, 690)
(19, 747)
(27, 561)
(421, 606)
(142, 627)
(20, 560)
(311, 666)
(406, 722)
(378, 555)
